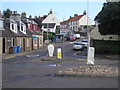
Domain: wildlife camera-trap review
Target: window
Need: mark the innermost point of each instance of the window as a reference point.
(49, 25)
(12, 26)
(15, 27)
(28, 25)
(21, 28)
(35, 41)
(28, 43)
(34, 27)
(41, 40)
(24, 27)
(1, 24)
(76, 27)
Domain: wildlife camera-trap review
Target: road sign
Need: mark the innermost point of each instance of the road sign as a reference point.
(62, 29)
(34, 37)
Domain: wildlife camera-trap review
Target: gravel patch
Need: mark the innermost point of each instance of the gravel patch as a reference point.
(97, 70)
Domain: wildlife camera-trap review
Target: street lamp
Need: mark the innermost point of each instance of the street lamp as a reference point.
(90, 50)
(88, 34)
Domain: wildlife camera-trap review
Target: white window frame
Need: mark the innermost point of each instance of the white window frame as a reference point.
(1, 24)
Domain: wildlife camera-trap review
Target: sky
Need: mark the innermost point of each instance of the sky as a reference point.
(62, 10)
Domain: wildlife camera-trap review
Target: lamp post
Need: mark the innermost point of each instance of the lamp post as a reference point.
(90, 50)
(88, 34)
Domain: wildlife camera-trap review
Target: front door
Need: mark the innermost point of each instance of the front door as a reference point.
(37, 42)
(23, 44)
(3, 45)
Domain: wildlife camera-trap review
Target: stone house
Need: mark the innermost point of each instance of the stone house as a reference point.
(21, 38)
(34, 32)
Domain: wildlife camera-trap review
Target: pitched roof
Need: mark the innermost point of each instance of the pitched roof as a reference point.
(75, 18)
(64, 22)
(6, 33)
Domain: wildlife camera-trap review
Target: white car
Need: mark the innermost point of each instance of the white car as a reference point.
(85, 42)
(77, 36)
(78, 46)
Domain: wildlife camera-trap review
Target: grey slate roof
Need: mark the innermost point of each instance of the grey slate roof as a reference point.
(6, 33)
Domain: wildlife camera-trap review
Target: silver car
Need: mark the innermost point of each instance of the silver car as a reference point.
(78, 46)
(85, 42)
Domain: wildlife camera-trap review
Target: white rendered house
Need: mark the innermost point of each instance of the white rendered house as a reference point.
(50, 22)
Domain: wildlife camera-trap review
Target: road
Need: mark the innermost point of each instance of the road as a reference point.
(28, 71)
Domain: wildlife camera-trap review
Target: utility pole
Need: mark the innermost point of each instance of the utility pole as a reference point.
(88, 34)
(90, 50)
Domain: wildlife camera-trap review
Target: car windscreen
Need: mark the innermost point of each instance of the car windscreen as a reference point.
(84, 41)
(78, 44)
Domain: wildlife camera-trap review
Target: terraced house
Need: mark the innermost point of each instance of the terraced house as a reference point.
(75, 24)
(19, 33)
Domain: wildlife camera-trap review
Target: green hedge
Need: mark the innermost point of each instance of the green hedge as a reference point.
(106, 47)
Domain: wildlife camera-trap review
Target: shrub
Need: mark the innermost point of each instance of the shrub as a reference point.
(106, 47)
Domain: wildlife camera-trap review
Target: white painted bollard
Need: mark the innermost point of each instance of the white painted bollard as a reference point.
(90, 56)
(50, 50)
(59, 55)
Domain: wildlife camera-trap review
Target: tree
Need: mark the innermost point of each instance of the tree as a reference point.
(109, 19)
(7, 13)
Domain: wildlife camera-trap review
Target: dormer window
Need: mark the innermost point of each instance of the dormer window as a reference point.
(1, 24)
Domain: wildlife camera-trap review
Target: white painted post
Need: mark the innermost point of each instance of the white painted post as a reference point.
(90, 56)
(50, 50)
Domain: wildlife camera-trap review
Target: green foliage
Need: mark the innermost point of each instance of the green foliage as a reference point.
(50, 35)
(109, 18)
(57, 29)
(107, 47)
(7, 13)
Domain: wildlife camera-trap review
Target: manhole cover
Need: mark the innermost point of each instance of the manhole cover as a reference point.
(34, 55)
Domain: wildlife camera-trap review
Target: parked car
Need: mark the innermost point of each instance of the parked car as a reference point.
(78, 46)
(72, 38)
(85, 42)
(77, 36)
(67, 38)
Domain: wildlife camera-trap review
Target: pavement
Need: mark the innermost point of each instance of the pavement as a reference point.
(8, 56)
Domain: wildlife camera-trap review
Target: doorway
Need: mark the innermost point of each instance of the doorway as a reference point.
(23, 44)
(37, 42)
(3, 45)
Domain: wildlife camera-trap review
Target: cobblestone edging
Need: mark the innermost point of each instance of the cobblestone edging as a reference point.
(97, 70)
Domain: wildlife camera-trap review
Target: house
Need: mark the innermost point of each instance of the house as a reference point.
(21, 39)
(33, 30)
(74, 24)
(50, 23)
(6, 37)
(95, 35)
